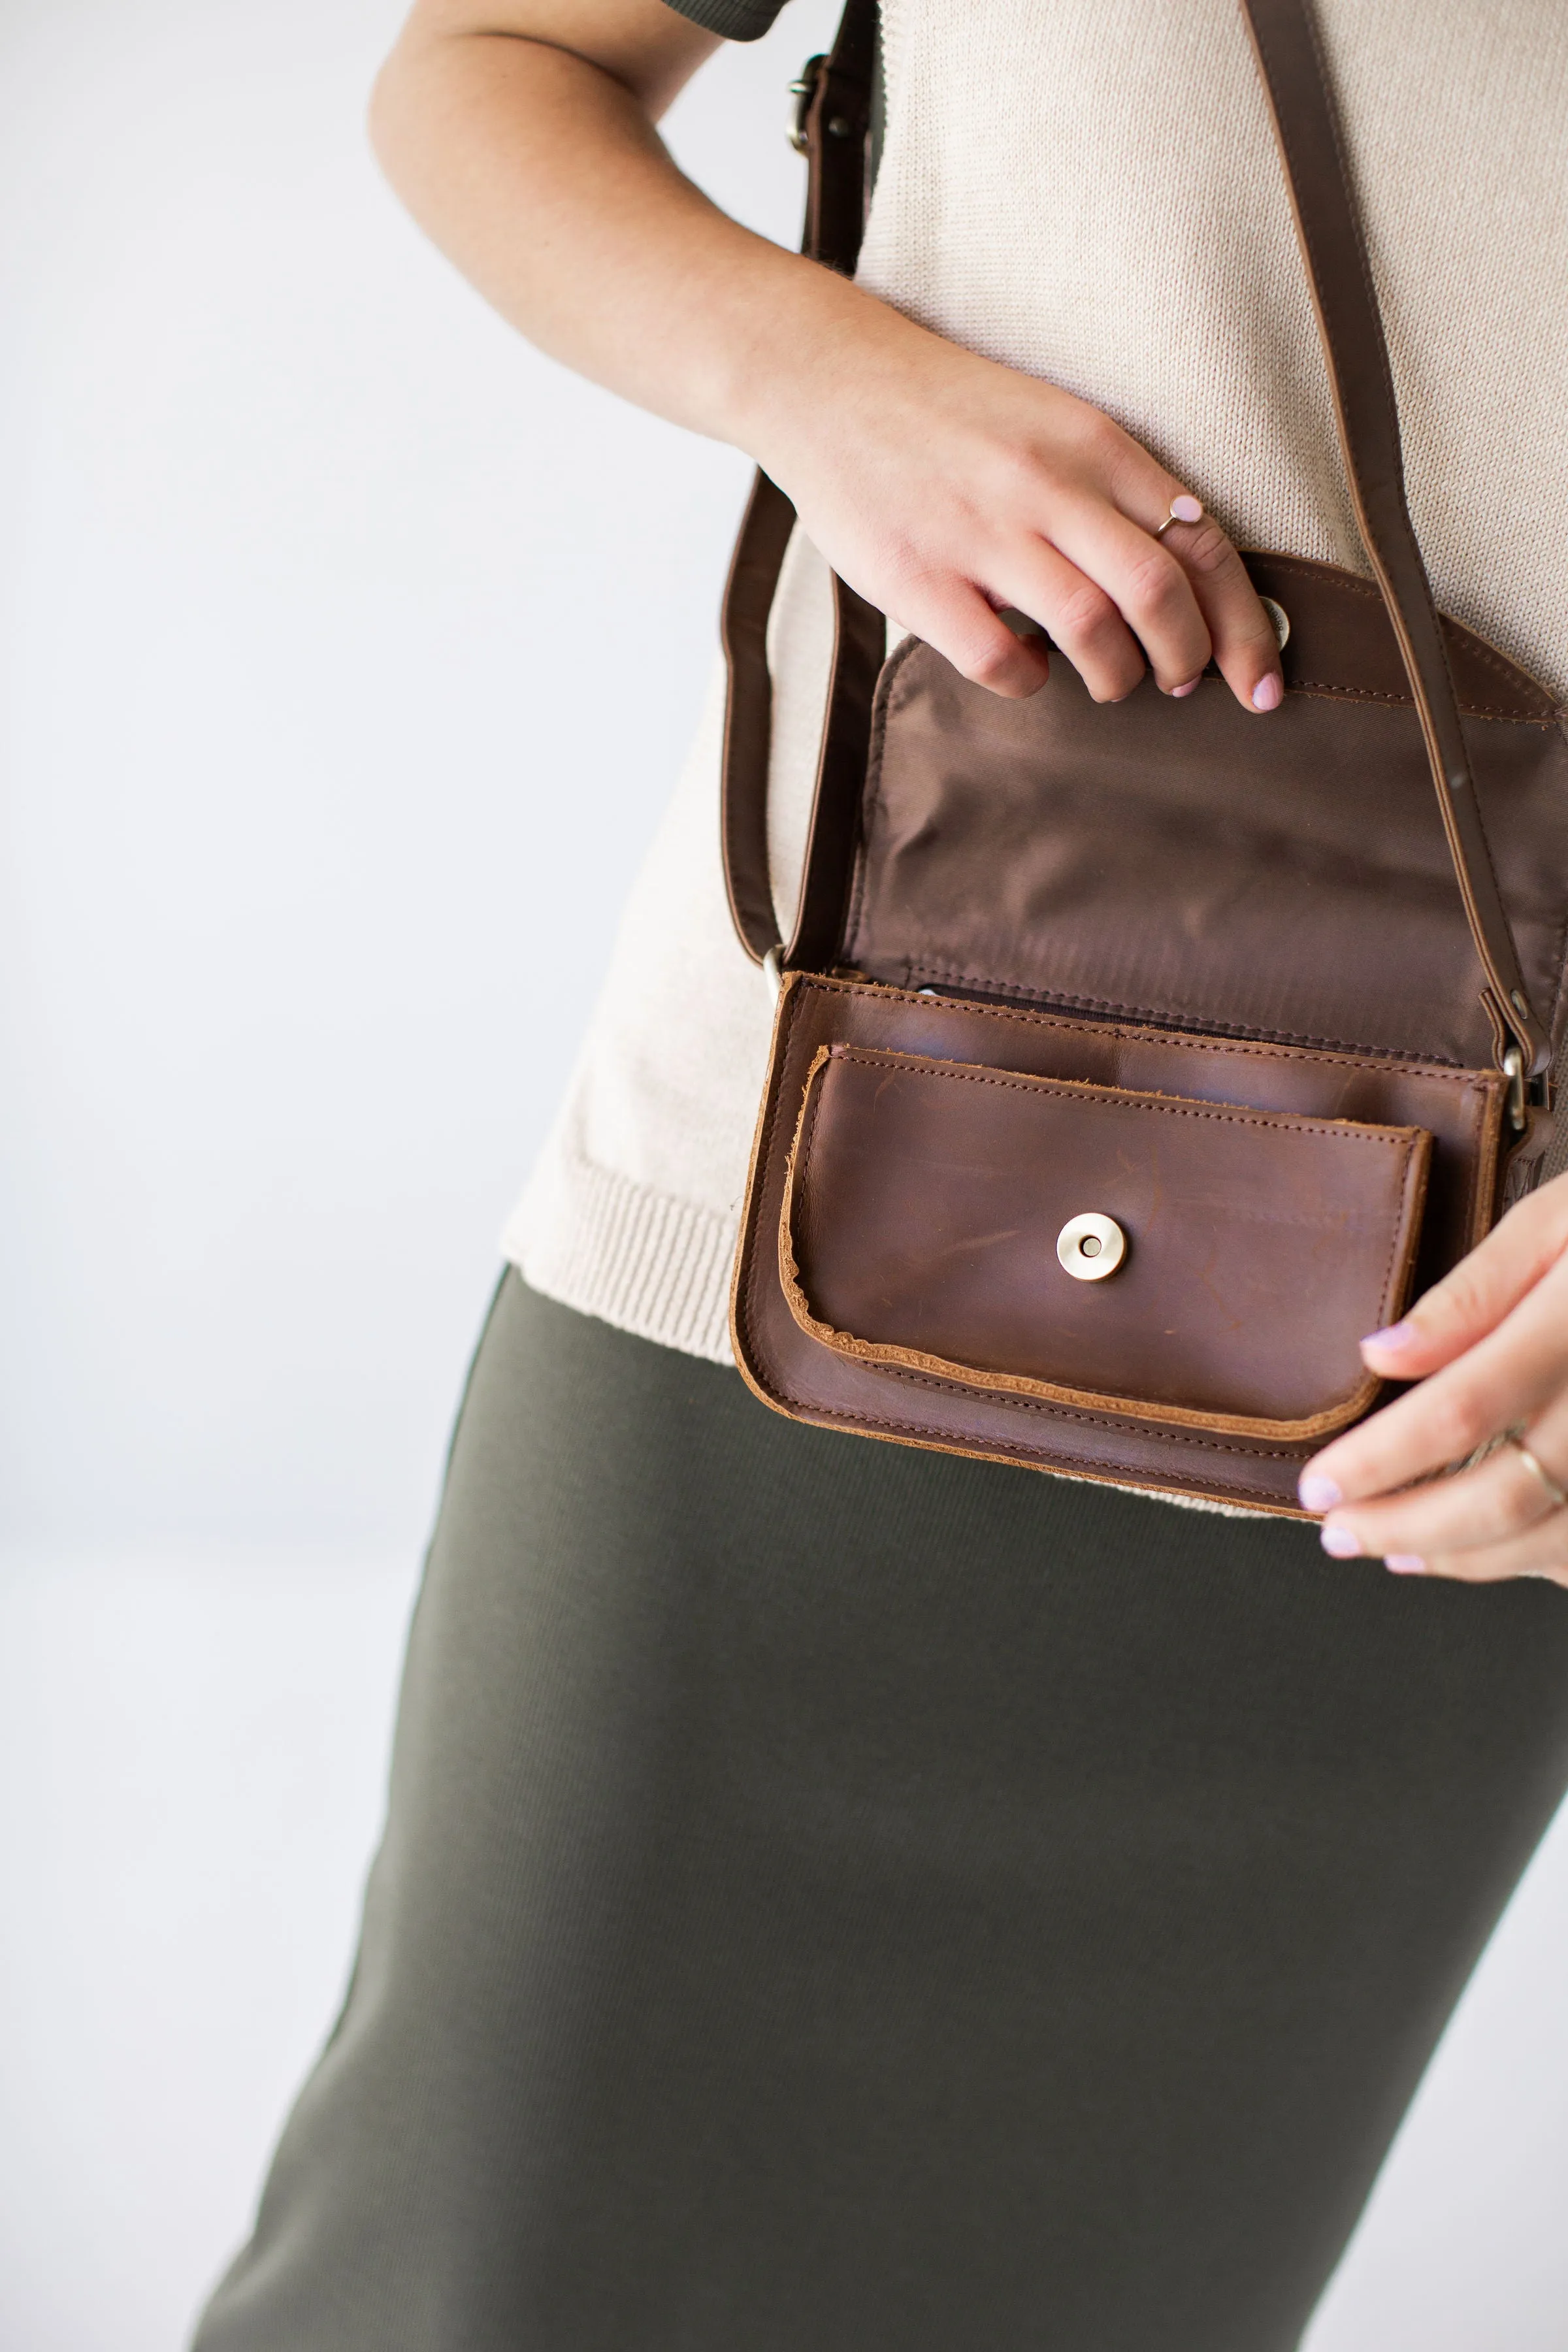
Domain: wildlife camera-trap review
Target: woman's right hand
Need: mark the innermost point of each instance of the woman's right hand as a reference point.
(940, 484)
(943, 486)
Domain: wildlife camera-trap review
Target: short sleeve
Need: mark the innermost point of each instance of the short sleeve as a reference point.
(735, 20)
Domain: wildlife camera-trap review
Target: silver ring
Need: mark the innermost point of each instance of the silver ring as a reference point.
(1184, 507)
(1556, 1494)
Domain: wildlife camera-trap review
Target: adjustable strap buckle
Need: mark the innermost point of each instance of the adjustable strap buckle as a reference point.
(1524, 1095)
(803, 91)
(849, 100)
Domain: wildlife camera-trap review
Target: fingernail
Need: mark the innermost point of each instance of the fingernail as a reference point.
(1339, 1544)
(1317, 1492)
(1396, 1336)
(1192, 686)
(1406, 1563)
(1268, 693)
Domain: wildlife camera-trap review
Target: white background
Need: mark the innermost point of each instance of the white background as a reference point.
(348, 652)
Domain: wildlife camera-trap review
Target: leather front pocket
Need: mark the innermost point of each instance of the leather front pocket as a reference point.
(925, 1200)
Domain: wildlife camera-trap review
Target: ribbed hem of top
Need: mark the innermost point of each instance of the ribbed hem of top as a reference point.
(651, 1264)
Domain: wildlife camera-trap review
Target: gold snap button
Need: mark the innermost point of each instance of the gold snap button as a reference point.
(1091, 1246)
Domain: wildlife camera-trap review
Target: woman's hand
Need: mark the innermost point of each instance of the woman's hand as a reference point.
(1490, 1348)
(941, 486)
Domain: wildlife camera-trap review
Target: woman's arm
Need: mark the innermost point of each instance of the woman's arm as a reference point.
(941, 486)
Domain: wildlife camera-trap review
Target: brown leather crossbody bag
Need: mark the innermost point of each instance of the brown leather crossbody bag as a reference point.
(1132, 1061)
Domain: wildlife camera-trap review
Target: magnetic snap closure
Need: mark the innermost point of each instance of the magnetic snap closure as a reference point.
(1091, 1246)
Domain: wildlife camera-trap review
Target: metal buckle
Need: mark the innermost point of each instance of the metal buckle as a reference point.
(803, 91)
(1513, 1067)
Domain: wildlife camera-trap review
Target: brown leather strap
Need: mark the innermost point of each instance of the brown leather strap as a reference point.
(859, 649)
(1290, 61)
(748, 713)
(834, 122)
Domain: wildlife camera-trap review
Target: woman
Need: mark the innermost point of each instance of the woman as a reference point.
(845, 1897)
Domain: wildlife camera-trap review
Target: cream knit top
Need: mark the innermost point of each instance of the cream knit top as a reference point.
(1089, 190)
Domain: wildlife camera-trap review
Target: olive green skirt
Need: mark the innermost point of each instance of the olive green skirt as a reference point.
(843, 1899)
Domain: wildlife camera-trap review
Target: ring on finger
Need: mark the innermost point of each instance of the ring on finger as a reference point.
(1557, 1498)
(1184, 507)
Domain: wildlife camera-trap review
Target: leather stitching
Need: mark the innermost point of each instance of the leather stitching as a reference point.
(1326, 689)
(1098, 1420)
(888, 688)
(1133, 1097)
(1448, 1074)
(1334, 1131)
(1152, 1013)
(1118, 1470)
(885, 1355)
(1478, 649)
(1483, 1085)
(764, 1154)
(1561, 955)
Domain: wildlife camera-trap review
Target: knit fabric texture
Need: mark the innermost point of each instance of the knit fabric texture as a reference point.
(1089, 190)
(737, 20)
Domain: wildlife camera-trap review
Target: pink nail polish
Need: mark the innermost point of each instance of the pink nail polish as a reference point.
(1268, 693)
(1339, 1544)
(1318, 1493)
(1393, 1337)
(1179, 692)
(1406, 1563)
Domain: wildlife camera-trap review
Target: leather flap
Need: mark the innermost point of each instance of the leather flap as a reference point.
(925, 1199)
(1180, 862)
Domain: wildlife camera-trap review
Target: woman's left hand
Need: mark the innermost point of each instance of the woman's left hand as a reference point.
(1488, 1346)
